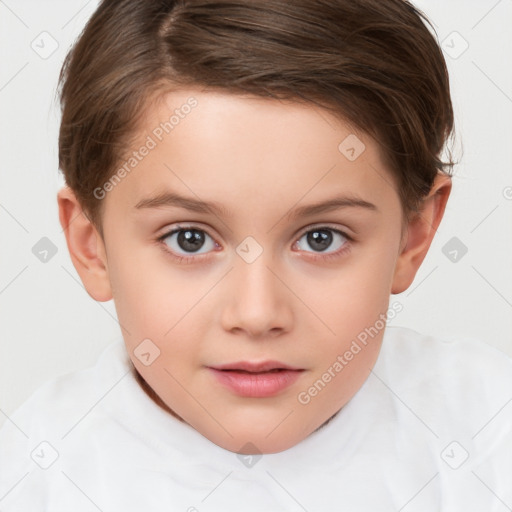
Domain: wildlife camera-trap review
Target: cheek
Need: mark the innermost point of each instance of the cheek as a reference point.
(353, 306)
(355, 296)
(143, 300)
(154, 301)
(343, 360)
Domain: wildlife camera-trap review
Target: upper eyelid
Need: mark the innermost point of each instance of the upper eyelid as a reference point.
(325, 226)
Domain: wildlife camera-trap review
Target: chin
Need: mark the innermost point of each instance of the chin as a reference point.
(253, 445)
(255, 436)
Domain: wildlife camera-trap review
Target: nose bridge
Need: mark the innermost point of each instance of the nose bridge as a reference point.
(255, 279)
(256, 301)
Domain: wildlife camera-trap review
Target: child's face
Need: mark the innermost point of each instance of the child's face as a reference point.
(256, 287)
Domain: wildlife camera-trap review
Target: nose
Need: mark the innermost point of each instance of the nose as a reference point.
(257, 302)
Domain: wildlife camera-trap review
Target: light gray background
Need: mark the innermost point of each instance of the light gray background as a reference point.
(49, 324)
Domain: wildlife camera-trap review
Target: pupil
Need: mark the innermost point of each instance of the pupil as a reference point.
(190, 239)
(320, 240)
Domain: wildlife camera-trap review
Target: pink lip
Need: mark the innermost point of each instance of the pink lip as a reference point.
(262, 366)
(258, 383)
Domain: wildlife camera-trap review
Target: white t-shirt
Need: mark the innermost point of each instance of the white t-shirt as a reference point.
(429, 430)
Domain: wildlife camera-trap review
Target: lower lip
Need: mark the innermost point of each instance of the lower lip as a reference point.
(256, 385)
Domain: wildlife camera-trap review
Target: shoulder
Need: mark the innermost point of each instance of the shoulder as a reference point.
(445, 357)
(461, 365)
(448, 406)
(31, 437)
(448, 380)
(57, 400)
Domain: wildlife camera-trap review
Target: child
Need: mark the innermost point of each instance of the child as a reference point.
(250, 181)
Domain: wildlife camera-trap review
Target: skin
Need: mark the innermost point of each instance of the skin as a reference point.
(261, 159)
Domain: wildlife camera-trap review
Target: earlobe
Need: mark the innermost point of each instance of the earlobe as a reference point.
(420, 232)
(85, 245)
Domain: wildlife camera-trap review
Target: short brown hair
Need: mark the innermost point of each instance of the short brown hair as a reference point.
(374, 63)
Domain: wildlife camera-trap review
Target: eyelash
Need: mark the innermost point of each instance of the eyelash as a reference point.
(318, 256)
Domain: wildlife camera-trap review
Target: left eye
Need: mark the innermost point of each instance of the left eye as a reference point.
(321, 239)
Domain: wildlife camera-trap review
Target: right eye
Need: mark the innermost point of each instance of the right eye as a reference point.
(187, 240)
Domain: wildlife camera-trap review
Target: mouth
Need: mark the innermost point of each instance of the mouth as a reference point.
(256, 367)
(256, 380)
(274, 370)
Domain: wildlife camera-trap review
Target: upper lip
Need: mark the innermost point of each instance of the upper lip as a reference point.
(249, 366)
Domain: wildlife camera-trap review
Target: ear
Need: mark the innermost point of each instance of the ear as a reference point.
(85, 246)
(420, 232)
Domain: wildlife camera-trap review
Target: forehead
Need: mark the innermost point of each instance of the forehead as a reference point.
(236, 149)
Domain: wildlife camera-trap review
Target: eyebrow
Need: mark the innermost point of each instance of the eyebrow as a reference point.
(330, 205)
(170, 199)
